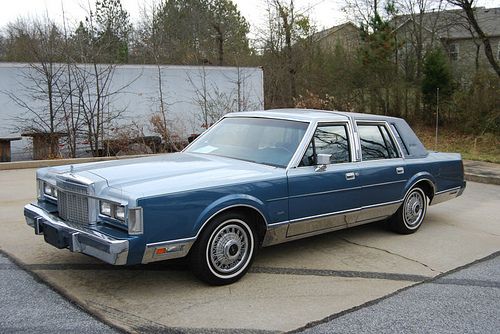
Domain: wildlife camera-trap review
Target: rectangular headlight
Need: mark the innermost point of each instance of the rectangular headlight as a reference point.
(105, 208)
(119, 212)
(49, 190)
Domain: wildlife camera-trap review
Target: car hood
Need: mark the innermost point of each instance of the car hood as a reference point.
(176, 172)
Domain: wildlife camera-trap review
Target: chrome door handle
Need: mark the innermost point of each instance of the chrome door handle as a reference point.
(400, 170)
(350, 176)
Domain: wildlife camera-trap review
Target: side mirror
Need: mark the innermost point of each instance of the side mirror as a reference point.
(322, 160)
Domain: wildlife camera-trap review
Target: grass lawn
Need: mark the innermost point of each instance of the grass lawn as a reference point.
(483, 148)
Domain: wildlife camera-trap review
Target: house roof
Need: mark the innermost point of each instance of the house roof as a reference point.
(324, 33)
(453, 24)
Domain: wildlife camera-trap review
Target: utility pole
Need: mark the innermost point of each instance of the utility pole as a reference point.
(437, 118)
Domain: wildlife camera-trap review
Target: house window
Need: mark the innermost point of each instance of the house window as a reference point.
(453, 51)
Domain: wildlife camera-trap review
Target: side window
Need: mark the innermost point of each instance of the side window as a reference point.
(376, 142)
(328, 139)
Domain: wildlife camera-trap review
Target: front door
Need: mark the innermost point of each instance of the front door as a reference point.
(326, 197)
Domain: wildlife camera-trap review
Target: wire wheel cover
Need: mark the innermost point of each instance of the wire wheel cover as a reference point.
(229, 248)
(414, 209)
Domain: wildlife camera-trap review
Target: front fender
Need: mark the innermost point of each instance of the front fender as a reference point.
(227, 202)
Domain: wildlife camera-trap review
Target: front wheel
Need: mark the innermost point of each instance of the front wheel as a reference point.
(411, 213)
(225, 249)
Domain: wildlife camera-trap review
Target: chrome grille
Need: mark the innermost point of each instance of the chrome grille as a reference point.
(73, 202)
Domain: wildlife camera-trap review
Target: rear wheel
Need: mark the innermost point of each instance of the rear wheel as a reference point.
(411, 213)
(225, 249)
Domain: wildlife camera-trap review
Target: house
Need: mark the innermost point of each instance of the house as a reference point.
(346, 35)
(450, 30)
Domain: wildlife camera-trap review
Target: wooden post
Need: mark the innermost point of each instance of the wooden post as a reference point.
(5, 153)
(45, 144)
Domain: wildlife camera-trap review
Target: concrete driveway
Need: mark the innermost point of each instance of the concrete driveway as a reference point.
(289, 285)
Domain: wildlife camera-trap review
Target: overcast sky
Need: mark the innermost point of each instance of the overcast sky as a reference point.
(324, 13)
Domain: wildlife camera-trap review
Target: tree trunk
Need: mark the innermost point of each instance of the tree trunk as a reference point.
(287, 27)
(220, 44)
(469, 11)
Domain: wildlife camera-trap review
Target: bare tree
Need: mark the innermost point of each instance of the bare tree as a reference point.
(40, 41)
(100, 43)
(151, 38)
(420, 27)
(240, 94)
(71, 108)
(282, 50)
(211, 100)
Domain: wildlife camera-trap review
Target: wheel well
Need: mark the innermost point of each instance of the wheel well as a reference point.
(256, 219)
(427, 187)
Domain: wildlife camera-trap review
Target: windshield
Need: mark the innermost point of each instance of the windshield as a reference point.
(261, 140)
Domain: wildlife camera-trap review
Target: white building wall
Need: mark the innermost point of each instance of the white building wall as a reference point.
(183, 87)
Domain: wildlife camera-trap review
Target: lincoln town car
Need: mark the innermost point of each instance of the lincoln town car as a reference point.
(252, 180)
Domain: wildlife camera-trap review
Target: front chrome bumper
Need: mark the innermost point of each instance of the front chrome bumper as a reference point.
(76, 237)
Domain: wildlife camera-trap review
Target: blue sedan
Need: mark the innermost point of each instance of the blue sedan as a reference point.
(252, 180)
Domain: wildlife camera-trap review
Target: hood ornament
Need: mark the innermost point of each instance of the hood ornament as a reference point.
(71, 169)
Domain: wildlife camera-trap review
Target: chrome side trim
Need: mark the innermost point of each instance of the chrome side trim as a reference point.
(81, 239)
(330, 222)
(446, 195)
(276, 199)
(341, 212)
(383, 183)
(383, 204)
(179, 248)
(324, 192)
(447, 190)
(277, 235)
(313, 225)
(376, 212)
(309, 218)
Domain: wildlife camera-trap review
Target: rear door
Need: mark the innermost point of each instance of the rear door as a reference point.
(382, 171)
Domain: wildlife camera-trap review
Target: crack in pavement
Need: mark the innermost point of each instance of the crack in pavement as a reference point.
(338, 273)
(254, 270)
(389, 252)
